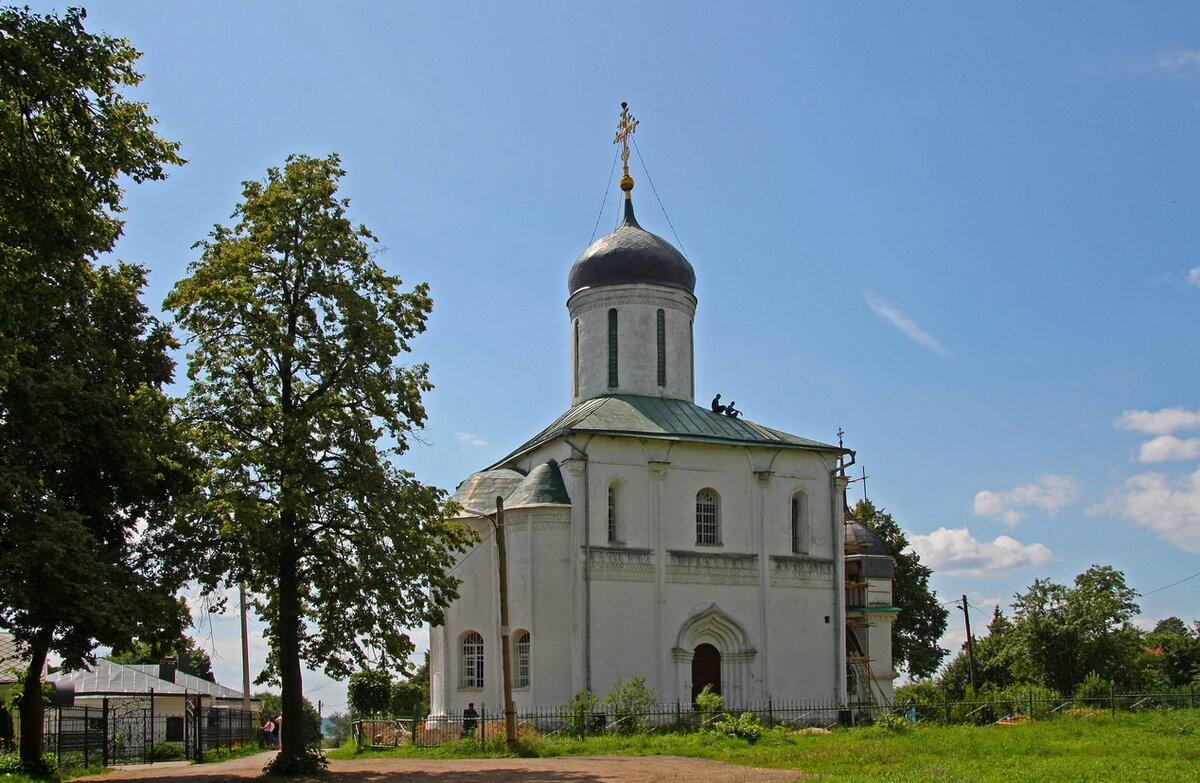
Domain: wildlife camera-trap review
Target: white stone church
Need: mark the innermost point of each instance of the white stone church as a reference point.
(650, 535)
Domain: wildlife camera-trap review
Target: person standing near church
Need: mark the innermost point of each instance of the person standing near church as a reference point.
(470, 720)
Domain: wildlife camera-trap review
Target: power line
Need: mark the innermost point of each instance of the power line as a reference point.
(1181, 581)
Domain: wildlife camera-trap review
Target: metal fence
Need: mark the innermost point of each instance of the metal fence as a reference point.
(1011, 706)
(129, 730)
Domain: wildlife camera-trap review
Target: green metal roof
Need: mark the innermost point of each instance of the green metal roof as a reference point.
(543, 486)
(654, 417)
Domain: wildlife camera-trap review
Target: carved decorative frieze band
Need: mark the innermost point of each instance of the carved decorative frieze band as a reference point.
(800, 571)
(622, 565)
(723, 568)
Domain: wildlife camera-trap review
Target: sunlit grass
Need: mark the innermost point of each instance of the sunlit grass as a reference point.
(1157, 746)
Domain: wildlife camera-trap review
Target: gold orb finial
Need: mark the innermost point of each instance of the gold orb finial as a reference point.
(625, 128)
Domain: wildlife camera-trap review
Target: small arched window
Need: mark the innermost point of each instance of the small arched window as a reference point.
(521, 645)
(471, 661)
(614, 512)
(708, 517)
(575, 361)
(800, 523)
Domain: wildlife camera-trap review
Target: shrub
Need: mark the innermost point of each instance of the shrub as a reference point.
(745, 726)
(710, 704)
(578, 712)
(629, 701)
(1094, 691)
(890, 722)
(165, 751)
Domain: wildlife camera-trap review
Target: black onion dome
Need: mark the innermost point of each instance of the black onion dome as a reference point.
(631, 254)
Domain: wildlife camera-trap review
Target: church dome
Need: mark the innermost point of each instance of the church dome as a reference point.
(631, 254)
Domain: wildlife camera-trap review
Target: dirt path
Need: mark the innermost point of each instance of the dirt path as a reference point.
(587, 769)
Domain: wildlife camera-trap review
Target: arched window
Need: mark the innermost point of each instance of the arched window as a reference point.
(662, 348)
(471, 661)
(708, 517)
(800, 523)
(521, 645)
(614, 512)
(612, 348)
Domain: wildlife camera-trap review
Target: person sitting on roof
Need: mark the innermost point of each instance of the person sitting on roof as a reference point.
(731, 411)
(717, 406)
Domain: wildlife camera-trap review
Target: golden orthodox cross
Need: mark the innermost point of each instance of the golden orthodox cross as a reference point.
(625, 129)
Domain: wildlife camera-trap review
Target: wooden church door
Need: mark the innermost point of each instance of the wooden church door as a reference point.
(706, 669)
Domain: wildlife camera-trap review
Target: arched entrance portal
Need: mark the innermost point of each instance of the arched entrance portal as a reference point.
(706, 669)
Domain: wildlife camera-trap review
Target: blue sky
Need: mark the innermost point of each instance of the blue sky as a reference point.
(964, 233)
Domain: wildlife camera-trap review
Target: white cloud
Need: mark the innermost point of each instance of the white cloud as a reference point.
(1049, 493)
(907, 326)
(1169, 508)
(1194, 276)
(957, 552)
(1179, 61)
(1166, 448)
(469, 439)
(1161, 422)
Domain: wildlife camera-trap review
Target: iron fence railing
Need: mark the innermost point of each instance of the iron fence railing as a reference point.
(130, 730)
(488, 725)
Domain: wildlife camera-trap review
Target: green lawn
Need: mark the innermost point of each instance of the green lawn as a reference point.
(1158, 746)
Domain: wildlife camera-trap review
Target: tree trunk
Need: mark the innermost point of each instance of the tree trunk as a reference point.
(292, 697)
(33, 704)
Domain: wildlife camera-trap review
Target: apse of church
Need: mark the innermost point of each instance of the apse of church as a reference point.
(649, 535)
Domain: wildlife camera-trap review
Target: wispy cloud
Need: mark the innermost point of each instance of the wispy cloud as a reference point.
(1169, 508)
(1182, 62)
(1160, 422)
(907, 326)
(957, 552)
(1049, 493)
(1168, 448)
(1194, 276)
(469, 439)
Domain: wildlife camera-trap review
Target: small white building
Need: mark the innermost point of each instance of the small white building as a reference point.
(649, 535)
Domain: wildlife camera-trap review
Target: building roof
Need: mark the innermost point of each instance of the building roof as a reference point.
(654, 417)
(109, 678)
(629, 255)
(544, 486)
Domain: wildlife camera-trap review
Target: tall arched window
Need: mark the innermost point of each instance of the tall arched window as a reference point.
(708, 517)
(614, 512)
(662, 348)
(612, 348)
(521, 645)
(800, 523)
(471, 661)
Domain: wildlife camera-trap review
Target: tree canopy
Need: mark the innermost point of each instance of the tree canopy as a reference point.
(91, 459)
(922, 619)
(300, 409)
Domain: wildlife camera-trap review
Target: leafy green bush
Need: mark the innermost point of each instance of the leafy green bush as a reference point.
(745, 726)
(891, 722)
(629, 701)
(165, 751)
(710, 704)
(1094, 691)
(578, 712)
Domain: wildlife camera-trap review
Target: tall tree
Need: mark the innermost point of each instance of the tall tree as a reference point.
(922, 619)
(89, 456)
(300, 407)
(1061, 634)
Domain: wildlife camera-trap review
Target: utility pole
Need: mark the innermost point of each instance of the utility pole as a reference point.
(970, 643)
(245, 650)
(510, 710)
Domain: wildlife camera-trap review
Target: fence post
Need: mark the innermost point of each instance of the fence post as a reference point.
(1112, 697)
(1031, 702)
(104, 729)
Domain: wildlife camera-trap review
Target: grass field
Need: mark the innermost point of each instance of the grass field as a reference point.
(1151, 747)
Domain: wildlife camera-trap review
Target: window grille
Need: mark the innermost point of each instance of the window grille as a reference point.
(472, 661)
(708, 517)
